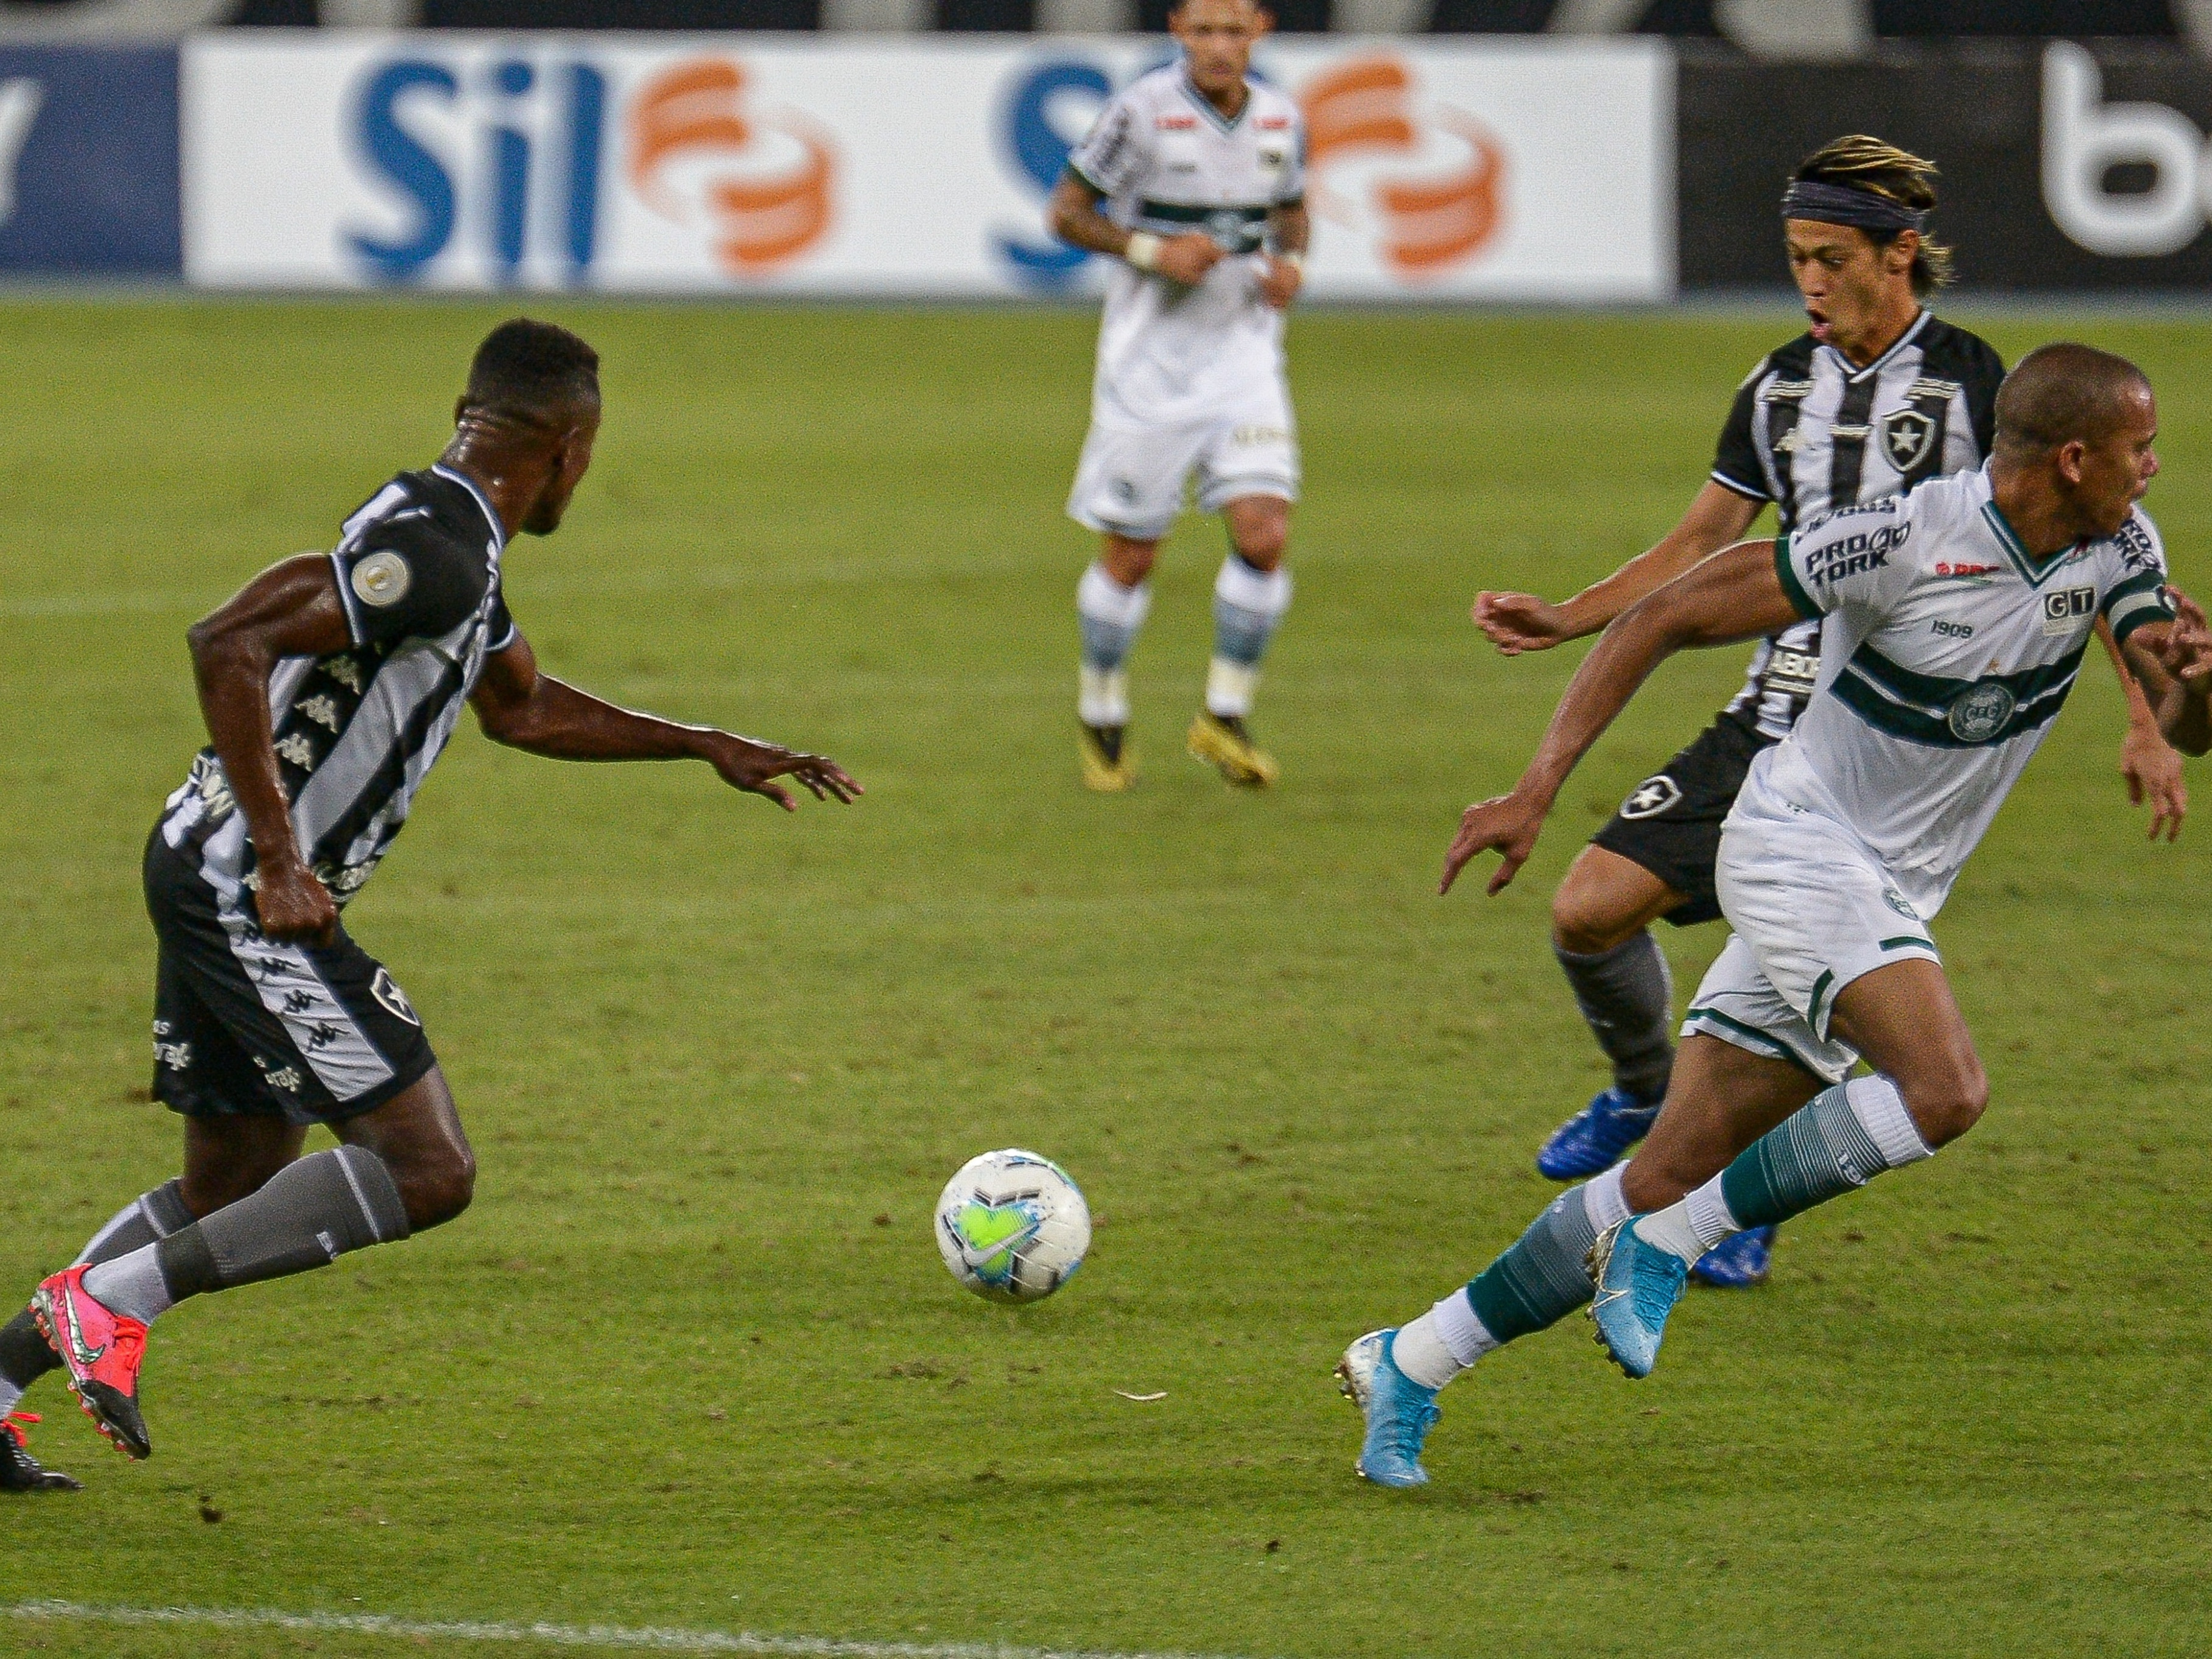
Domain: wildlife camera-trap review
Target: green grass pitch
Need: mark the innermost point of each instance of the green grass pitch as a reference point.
(692, 1361)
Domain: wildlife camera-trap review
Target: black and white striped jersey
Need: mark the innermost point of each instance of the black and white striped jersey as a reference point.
(1811, 432)
(357, 732)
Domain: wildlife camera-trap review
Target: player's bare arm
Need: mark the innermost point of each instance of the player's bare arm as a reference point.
(2150, 765)
(289, 610)
(524, 709)
(1290, 233)
(1072, 215)
(2173, 660)
(1735, 595)
(1515, 622)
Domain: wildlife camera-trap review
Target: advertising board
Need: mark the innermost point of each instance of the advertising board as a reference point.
(88, 161)
(2062, 168)
(780, 165)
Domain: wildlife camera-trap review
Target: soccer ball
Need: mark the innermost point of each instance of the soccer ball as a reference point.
(1012, 1226)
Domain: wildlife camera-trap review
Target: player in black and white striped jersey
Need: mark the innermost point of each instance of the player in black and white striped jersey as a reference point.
(1878, 395)
(330, 684)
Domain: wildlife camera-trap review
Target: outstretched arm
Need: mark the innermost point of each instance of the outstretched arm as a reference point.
(1735, 595)
(1521, 622)
(289, 610)
(2148, 762)
(2173, 660)
(525, 709)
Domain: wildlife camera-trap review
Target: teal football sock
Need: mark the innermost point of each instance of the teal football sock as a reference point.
(1540, 1280)
(1838, 1140)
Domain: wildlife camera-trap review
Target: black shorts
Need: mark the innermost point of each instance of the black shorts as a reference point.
(1671, 822)
(311, 1034)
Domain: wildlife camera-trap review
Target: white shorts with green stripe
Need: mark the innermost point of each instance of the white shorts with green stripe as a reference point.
(1812, 909)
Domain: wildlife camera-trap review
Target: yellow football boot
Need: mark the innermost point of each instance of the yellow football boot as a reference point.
(1223, 743)
(1108, 767)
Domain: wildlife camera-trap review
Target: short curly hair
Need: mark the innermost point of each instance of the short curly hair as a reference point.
(532, 372)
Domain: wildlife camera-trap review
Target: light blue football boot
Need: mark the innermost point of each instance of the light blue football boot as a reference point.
(1400, 1412)
(1638, 1286)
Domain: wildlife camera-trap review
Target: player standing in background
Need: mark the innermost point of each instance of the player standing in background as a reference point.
(1192, 178)
(330, 683)
(1957, 618)
(1875, 398)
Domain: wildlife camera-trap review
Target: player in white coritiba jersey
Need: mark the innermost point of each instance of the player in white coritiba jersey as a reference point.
(1877, 397)
(1954, 621)
(1193, 180)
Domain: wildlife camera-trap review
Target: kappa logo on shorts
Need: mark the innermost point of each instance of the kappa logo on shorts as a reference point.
(1124, 490)
(382, 579)
(1897, 901)
(1907, 436)
(391, 998)
(1651, 797)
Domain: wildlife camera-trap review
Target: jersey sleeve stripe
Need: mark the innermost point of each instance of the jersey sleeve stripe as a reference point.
(1753, 492)
(1800, 600)
(356, 632)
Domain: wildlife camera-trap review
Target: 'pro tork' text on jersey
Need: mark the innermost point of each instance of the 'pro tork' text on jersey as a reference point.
(1812, 431)
(1169, 163)
(357, 732)
(1947, 652)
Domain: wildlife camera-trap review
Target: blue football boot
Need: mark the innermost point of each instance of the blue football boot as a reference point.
(1738, 1262)
(1400, 1412)
(1638, 1286)
(1592, 1140)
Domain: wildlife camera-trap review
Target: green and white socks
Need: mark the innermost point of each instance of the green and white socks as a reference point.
(1537, 1282)
(1835, 1143)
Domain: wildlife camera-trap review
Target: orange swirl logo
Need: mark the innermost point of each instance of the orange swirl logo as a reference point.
(762, 186)
(1422, 227)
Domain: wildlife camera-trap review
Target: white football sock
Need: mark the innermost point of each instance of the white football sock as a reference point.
(1419, 1352)
(1102, 697)
(131, 1286)
(1228, 688)
(1710, 1219)
(1441, 1343)
(1603, 1202)
(1671, 1229)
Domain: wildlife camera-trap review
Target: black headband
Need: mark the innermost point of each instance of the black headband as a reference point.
(1843, 205)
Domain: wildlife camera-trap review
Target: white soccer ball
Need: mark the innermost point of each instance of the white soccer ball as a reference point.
(1012, 1226)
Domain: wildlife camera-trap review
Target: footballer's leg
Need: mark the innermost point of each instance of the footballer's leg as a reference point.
(1250, 595)
(1128, 487)
(1110, 604)
(1731, 1095)
(402, 1165)
(1928, 1089)
(1602, 918)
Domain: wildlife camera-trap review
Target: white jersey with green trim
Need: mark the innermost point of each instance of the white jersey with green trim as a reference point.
(1167, 163)
(1945, 655)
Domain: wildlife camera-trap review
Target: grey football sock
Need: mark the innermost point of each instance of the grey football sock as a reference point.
(24, 1355)
(1627, 996)
(308, 1215)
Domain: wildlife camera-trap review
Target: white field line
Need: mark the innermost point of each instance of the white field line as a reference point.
(650, 1639)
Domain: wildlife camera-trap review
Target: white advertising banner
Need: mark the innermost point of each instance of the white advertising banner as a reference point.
(796, 164)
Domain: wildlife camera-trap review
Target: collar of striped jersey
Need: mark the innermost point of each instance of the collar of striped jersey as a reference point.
(2032, 572)
(1852, 372)
(1205, 105)
(498, 530)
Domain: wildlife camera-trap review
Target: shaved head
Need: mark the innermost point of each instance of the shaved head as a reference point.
(2064, 394)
